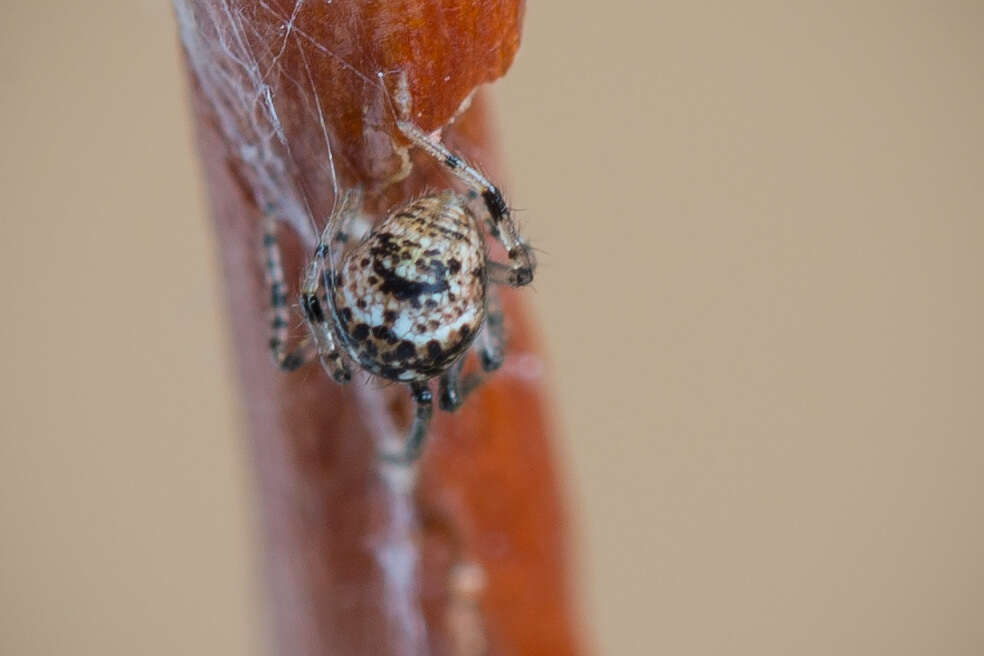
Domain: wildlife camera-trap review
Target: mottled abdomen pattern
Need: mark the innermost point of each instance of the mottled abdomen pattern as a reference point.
(410, 298)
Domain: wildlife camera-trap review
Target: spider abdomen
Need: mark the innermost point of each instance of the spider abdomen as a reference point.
(411, 297)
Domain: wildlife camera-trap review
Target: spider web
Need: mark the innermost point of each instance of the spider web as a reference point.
(236, 53)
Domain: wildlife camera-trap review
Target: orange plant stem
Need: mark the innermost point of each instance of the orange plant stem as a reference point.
(474, 560)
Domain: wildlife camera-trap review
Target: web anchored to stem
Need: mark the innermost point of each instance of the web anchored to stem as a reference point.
(299, 101)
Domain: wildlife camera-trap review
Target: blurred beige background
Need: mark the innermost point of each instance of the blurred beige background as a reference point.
(761, 295)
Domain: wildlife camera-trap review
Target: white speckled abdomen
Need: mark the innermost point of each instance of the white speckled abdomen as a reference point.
(410, 298)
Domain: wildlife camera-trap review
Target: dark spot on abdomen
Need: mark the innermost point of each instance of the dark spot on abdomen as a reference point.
(405, 350)
(360, 332)
(384, 333)
(434, 350)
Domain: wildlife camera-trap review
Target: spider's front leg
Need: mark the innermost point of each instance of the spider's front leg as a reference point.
(315, 289)
(313, 297)
(522, 263)
(313, 304)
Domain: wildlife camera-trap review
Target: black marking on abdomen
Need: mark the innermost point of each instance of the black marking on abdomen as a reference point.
(405, 350)
(403, 289)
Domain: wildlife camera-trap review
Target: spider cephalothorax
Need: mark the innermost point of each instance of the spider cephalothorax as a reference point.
(408, 301)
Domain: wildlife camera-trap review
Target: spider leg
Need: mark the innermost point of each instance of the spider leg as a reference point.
(274, 273)
(453, 388)
(315, 288)
(351, 224)
(522, 263)
(452, 392)
(505, 274)
(492, 340)
(418, 430)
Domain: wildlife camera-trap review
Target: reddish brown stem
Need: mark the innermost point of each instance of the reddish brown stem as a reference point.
(475, 561)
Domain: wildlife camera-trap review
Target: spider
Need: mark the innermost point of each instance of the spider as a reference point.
(408, 301)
